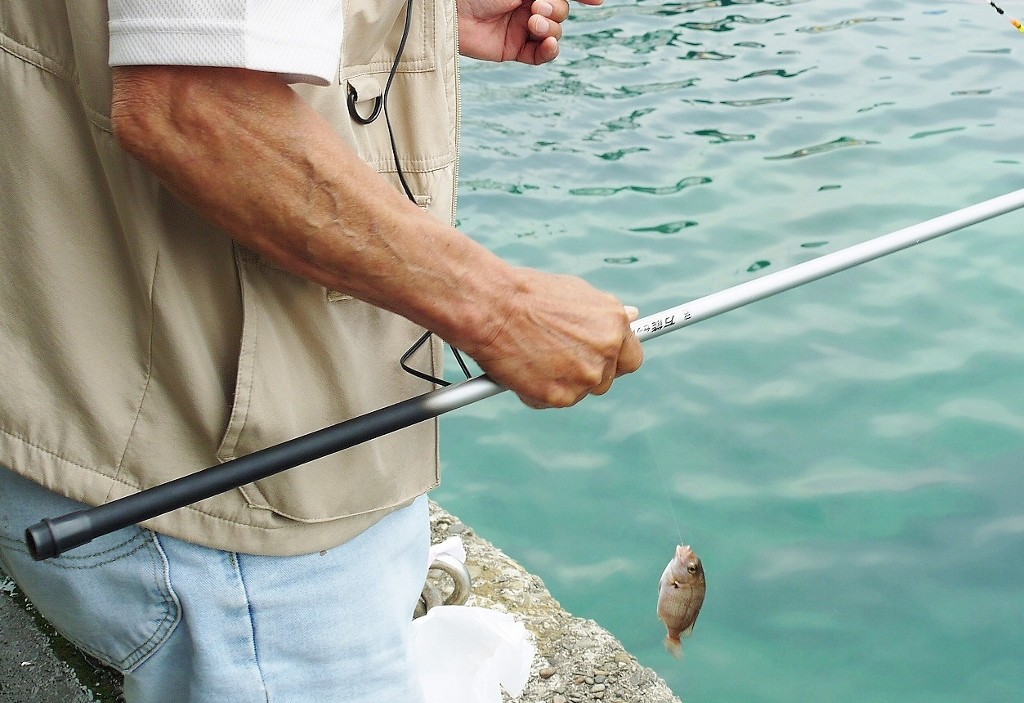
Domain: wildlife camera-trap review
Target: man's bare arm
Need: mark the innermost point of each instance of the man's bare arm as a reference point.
(256, 159)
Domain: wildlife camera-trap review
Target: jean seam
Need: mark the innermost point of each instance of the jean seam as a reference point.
(161, 632)
(236, 563)
(162, 629)
(172, 608)
(61, 562)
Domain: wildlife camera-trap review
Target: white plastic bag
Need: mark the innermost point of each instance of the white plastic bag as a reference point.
(452, 547)
(467, 655)
(464, 654)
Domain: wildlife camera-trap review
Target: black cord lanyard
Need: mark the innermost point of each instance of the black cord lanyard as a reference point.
(380, 105)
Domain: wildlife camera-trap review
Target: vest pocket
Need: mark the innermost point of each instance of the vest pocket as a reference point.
(306, 363)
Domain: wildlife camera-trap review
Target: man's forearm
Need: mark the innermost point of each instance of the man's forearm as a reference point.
(257, 160)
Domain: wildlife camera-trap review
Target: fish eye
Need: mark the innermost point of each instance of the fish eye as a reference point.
(692, 568)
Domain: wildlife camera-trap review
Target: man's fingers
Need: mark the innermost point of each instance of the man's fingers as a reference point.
(629, 359)
(554, 10)
(544, 28)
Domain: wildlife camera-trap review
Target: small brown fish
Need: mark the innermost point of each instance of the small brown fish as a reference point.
(681, 596)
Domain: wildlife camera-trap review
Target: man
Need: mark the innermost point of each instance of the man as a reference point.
(227, 240)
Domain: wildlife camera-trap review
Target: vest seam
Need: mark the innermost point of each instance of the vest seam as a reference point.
(34, 57)
(236, 421)
(35, 445)
(57, 455)
(149, 376)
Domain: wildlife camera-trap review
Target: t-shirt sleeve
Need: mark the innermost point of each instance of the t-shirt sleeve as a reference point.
(299, 39)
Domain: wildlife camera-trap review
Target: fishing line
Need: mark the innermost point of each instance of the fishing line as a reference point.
(664, 475)
(1015, 22)
(672, 512)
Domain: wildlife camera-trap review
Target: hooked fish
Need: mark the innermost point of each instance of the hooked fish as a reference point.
(681, 595)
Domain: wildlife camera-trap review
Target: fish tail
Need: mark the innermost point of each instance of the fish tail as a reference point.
(674, 646)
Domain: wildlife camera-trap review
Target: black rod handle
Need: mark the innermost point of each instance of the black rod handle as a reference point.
(52, 537)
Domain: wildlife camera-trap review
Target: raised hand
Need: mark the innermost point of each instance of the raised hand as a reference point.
(512, 30)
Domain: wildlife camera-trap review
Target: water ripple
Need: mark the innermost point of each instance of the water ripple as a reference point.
(672, 9)
(727, 24)
(935, 132)
(631, 91)
(649, 190)
(650, 41)
(869, 108)
(489, 184)
(841, 143)
(705, 56)
(756, 102)
(719, 137)
(621, 153)
(777, 72)
(667, 227)
(846, 24)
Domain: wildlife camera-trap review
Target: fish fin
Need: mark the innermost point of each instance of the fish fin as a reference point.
(674, 646)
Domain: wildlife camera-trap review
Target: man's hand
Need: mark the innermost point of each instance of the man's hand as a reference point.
(558, 340)
(512, 30)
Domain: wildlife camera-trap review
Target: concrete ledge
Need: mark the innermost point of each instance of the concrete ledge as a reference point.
(577, 660)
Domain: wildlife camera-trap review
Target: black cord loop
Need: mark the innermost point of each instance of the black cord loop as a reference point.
(353, 111)
(404, 361)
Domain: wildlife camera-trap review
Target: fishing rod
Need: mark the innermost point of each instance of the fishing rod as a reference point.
(52, 537)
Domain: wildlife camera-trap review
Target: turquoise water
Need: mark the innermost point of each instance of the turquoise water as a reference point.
(848, 457)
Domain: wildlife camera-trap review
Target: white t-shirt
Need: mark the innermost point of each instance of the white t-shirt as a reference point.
(300, 39)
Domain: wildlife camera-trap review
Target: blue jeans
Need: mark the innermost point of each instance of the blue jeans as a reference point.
(189, 624)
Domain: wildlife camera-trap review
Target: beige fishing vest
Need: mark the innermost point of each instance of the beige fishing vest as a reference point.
(138, 343)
